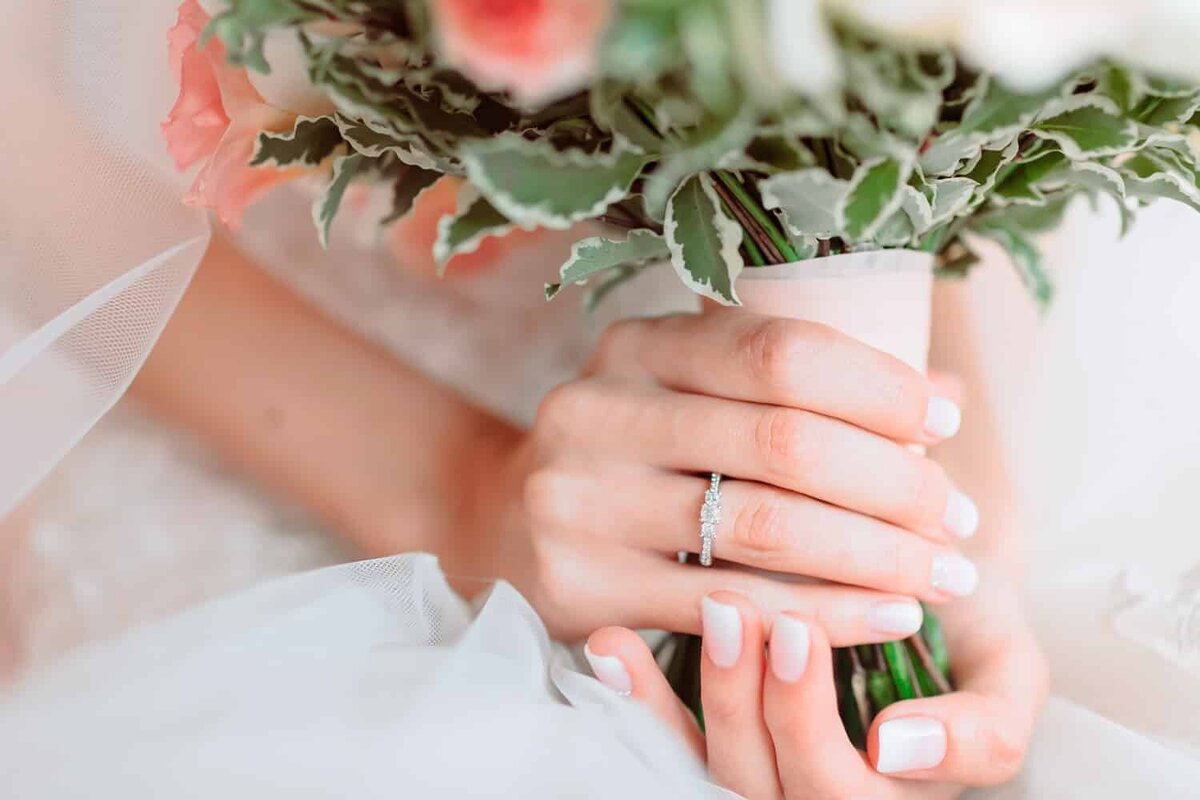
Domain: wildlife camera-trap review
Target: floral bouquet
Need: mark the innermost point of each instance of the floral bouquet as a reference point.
(718, 136)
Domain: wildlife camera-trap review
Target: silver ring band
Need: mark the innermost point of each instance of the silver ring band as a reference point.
(710, 517)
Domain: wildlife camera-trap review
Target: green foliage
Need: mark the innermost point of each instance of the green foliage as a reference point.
(703, 240)
(708, 155)
(597, 254)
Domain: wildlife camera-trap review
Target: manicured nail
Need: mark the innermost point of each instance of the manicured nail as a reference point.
(954, 575)
(942, 418)
(962, 516)
(610, 671)
(910, 743)
(789, 648)
(722, 632)
(896, 619)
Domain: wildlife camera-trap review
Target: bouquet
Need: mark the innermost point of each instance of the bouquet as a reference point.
(714, 135)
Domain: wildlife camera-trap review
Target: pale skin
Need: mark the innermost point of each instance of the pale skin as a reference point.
(585, 511)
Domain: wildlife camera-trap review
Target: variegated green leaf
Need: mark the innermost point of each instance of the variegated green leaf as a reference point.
(998, 109)
(1086, 126)
(463, 231)
(1022, 182)
(704, 241)
(943, 155)
(374, 140)
(533, 184)
(874, 193)
(310, 141)
(808, 201)
(703, 153)
(950, 198)
(326, 206)
(407, 188)
(598, 254)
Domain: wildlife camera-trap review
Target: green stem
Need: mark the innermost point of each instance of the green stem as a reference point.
(756, 256)
(759, 215)
(897, 662)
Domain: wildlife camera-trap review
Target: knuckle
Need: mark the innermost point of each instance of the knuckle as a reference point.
(770, 348)
(723, 710)
(1005, 746)
(904, 397)
(615, 341)
(780, 440)
(760, 526)
(562, 407)
(549, 499)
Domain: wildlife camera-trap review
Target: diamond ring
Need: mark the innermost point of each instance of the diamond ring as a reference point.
(710, 517)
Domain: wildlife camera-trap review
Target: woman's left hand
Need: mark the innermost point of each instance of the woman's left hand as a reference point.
(773, 730)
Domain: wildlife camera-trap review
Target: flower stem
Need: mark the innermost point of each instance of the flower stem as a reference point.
(760, 216)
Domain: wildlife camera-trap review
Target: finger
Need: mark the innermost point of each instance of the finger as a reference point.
(621, 661)
(975, 737)
(815, 757)
(743, 356)
(950, 386)
(740, 754)
(772, 529)
(659, 593)
(823, 458)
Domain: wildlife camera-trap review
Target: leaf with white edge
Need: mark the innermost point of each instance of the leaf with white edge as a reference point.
(474, 220)
(1156, 185)
(1096, 176)
(1159, 111)
(326, 206)
(1124, 87)
(808, 201)
(704, 242)
(535, 185)
(1023, 183)
(997, 109)
(709, 148)
(950, 198)
(897, 230)
(1027, 259)
(1087, 126)
(407, 188)
(988, 169)
(918, 210)
(874, 193)
(598, 254)
(371, 141)
(943, 155)
(310, 141)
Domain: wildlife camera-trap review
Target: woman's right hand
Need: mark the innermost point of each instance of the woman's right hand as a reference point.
(812, 431)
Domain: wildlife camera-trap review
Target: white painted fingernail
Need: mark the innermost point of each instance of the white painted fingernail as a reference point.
(910, 743)
(722, 632)
(954, 575)
(962, 515)
(942, 418)
(610, 671)
(896, 619)
(789, 648)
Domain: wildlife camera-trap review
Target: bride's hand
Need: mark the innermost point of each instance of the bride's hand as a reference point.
(810, 428)
(773, 730)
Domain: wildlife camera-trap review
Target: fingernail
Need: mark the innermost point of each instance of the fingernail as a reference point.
(610, 671)
(896, 619)
(722, 632)
(789, 648)
(910, 743)
(954, 575)
(942, 418)
(962, 516)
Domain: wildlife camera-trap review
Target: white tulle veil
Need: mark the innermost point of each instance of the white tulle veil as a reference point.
(95, 247)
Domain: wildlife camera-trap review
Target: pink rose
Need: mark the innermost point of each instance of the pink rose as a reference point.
(539, 50)
(218, 117)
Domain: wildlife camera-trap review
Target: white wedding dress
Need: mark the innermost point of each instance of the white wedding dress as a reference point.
(374, 679)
